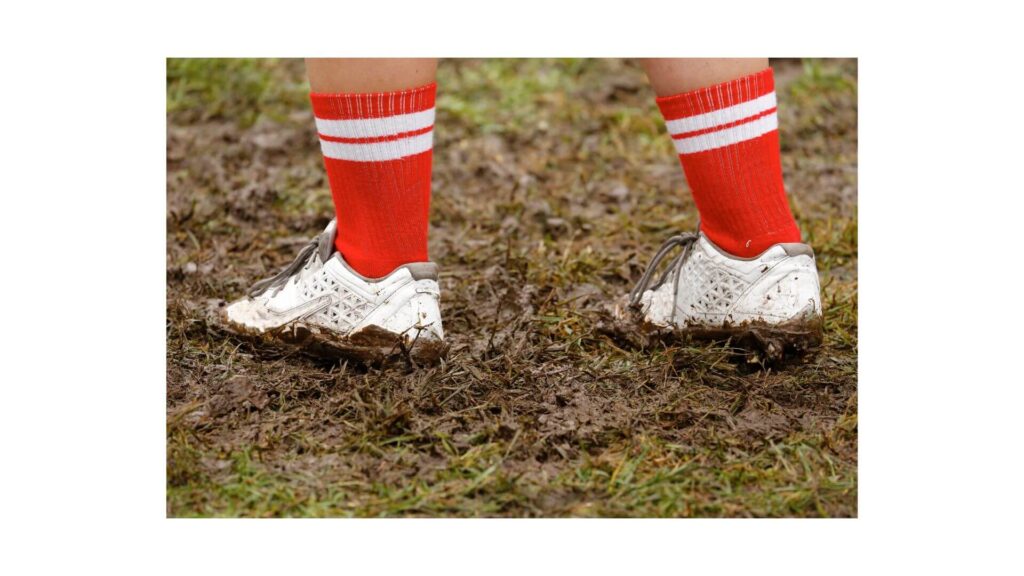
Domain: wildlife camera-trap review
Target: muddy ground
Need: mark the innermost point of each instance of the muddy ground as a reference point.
(554, 184)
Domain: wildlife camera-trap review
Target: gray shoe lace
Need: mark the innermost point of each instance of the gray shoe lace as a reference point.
(322, 244)
(685, 240)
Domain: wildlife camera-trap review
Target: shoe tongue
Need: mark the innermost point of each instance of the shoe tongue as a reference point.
(325, 241)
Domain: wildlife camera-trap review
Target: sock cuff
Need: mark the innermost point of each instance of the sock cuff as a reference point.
(721, 115)
(755, 92)
(348, 106)
(376, 127)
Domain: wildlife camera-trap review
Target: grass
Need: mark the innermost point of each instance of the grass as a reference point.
(554, 183)
(242, 90)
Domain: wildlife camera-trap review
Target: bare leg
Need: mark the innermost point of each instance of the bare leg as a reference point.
(361, 75)
(674, 75)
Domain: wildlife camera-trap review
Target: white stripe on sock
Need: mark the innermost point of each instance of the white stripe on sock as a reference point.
(727, 136)
(723, 116)
(378, 151)
(376, 127)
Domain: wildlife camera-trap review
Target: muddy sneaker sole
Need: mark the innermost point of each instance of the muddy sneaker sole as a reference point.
(322, 307)
(775, 341)
(770, 303)
(371, 346)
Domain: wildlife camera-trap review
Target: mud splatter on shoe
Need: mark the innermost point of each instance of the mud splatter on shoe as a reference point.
(320, 305)
(770, 302)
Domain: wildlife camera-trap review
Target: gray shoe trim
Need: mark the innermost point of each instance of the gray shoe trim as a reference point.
(422, 270)
(326, 247)
(791, 249)
(418, 270)
(322, 245)
(797, 249)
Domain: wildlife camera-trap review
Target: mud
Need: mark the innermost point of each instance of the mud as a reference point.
(372, 346)
(552, 188)
(757, 341)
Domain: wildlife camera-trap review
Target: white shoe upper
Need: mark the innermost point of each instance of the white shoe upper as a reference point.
(706, 287)
(333, 298)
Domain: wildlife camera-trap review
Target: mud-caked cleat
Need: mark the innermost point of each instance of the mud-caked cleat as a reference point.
(321, 305)
(770, 302)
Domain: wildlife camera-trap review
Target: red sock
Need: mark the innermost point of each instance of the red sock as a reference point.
(378, 150)
(727, 138)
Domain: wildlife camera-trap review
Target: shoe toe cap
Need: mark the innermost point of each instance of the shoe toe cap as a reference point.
(659, 305)
(244, 313)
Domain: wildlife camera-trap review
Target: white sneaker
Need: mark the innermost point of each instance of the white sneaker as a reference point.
(771, 301)
(323, 306)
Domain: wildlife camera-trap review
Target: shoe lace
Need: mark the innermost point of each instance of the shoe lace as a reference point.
(322, 244)
(684, 240)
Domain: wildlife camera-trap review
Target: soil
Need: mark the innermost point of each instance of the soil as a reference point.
(554, 184)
